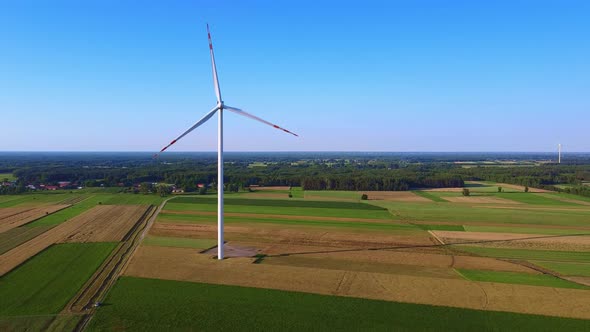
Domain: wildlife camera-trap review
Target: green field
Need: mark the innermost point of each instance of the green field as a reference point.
(568, 196)
(127, 199)
(460, 214)
(430, 195)
(278, 203)
(568, 269)
(46, 282)
(7, 176)
(336, 194)
(527, 254)
(525, 230)
(297, 192)
(180, 242)
(519, 278)
(17, 236)
(30, 199)
(190, 219)
(68, 213)
(531, 198)
(286, 207)
(456, 228)
(137, 304)
(487, 187)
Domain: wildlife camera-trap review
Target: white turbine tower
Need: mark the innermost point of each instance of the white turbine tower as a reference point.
(220, 107)
(559, 153)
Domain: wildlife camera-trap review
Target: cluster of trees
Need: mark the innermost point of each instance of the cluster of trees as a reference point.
(346, 171)
(385, 181)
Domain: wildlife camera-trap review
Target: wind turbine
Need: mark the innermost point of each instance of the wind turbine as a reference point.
(559, 153)
(220, 107)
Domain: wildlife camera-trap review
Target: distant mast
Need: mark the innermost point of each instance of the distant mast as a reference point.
(559, 153)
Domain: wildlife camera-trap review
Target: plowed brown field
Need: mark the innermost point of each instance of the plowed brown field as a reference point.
(106, 223)
(187, 264)
(14, 217)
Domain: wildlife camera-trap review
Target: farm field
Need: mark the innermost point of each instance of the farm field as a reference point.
(387, 249)
(44, 284)
(496, 259)
(189, 306)
(45, 263)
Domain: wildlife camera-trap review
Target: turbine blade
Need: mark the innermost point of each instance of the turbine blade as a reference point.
(248, 115)
(214, 67)
(200, 122)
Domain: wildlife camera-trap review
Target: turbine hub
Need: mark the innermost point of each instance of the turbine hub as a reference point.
(220, 105)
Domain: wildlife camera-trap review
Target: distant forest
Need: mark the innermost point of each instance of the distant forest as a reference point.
(312, 171)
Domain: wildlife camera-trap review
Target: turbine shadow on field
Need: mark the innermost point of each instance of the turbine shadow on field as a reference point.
(419, 246)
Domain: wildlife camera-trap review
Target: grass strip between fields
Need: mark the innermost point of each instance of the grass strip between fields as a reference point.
(137, 304)
(45, 283)
(519, 278)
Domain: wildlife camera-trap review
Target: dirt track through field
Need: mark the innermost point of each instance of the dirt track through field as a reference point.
(14, 217)
(107, 223)
(186, 264)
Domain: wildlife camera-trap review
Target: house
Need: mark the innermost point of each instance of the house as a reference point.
(51, 187)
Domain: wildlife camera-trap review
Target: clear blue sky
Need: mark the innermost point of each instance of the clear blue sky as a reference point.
(116, 75)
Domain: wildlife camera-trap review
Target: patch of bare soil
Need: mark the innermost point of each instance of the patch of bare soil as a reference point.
(186, 264)
(394, 196)
(106, 223)
(480, 200)
(16, 217)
